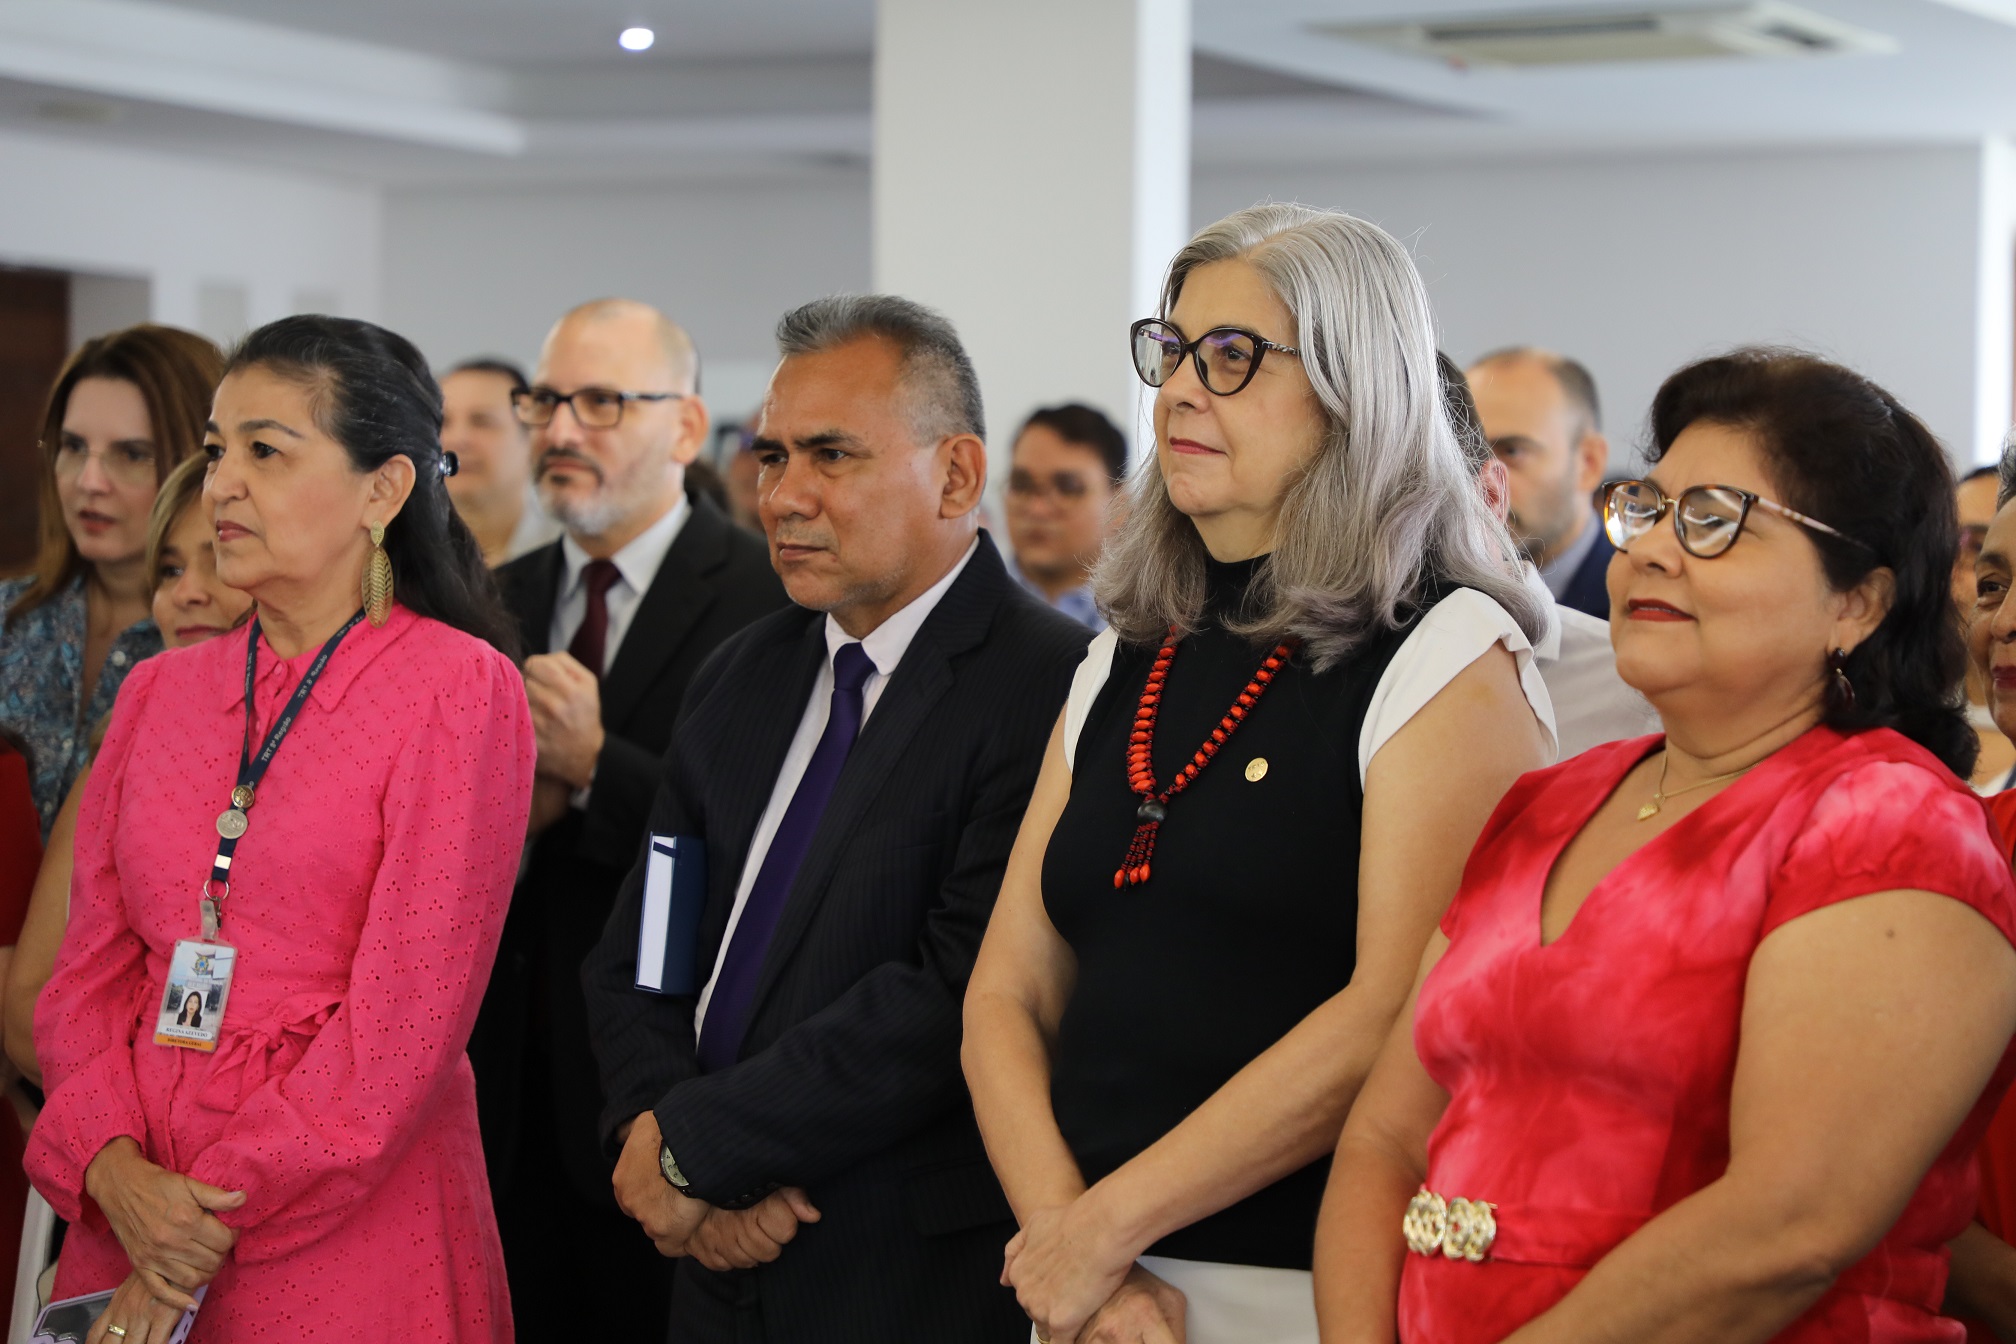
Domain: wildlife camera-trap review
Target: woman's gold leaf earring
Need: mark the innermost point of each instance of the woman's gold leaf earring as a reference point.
(378, 579)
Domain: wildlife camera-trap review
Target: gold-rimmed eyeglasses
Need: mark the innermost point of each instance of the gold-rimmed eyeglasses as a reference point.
(1706, 518)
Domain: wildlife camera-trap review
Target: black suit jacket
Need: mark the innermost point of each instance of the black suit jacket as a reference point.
(530, 1045)
(848, 1082)
(1589, 590)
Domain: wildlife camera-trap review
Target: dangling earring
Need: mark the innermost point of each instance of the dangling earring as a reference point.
(378, 579)
(1840, 690)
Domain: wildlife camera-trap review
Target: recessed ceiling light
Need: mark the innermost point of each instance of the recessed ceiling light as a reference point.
(636, 39)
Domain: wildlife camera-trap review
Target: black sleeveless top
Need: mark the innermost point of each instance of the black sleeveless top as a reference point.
(1248, 923)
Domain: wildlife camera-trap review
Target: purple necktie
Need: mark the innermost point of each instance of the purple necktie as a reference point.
(742, 966)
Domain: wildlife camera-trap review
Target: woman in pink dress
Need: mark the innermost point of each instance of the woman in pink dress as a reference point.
(1717, 1017)
(319, 1168)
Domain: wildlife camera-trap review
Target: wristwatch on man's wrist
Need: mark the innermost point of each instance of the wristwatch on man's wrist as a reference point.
(668, 1167)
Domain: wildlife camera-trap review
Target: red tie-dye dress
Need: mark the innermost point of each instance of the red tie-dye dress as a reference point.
(1589, 1078)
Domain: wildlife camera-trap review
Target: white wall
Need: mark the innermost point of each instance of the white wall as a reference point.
(181, 225)
(967, 201)
(1892, 261)
(487, 272)
(1895, 261)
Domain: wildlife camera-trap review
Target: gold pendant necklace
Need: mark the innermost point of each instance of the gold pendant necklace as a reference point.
(1659, 795)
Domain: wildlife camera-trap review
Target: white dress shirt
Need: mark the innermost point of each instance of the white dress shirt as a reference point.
(885, 646)
(1592, 704)
(636, 565)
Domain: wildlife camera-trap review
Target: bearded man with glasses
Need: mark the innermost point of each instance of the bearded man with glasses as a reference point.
(617, 615)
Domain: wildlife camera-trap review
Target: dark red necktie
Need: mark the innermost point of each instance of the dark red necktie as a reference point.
(593, 636)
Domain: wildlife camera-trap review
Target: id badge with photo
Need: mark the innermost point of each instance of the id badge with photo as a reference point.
(199, 987)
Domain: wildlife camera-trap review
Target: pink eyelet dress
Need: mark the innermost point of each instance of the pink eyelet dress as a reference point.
(366, 903)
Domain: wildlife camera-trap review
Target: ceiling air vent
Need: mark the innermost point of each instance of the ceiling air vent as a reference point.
(1586, 38)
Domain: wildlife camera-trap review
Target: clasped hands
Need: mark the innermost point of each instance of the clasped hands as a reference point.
(566, 702)
(168, 1226)
(679, 1224)
(1077, 1279)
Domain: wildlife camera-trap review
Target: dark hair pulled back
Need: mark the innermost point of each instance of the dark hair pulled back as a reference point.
(1839, 448)
(371, 391)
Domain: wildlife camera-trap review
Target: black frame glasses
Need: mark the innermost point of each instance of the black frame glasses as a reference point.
(1158, 349)
(1707, 519)
(536, 406)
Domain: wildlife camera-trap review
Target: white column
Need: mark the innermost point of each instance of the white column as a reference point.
(1032, 180)
(1995, 289)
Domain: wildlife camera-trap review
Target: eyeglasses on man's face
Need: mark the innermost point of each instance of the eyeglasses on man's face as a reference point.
(1706, 518)
(1226, 357)
(594, 407)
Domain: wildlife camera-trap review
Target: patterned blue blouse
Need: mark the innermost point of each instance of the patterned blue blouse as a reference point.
(41, 672)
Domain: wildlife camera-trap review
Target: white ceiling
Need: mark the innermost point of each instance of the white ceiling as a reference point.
(527, 34)
(518, 90)
(1947, 80)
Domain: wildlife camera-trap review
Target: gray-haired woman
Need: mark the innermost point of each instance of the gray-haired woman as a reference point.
(1194, 961)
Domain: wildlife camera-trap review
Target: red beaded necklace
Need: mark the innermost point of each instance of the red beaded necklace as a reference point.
(1141, 749)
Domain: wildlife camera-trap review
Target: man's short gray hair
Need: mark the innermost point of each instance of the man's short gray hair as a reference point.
(938, 375)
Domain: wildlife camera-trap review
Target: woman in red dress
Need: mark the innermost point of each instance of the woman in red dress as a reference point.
(1717, 1017)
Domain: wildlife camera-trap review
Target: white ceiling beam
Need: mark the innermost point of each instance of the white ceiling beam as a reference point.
(154, 53)
(847, 133)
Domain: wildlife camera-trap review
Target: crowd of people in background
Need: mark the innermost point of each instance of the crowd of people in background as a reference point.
(475, 864)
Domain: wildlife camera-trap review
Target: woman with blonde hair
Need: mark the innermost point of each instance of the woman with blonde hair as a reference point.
(1317, 683)
(124, 410)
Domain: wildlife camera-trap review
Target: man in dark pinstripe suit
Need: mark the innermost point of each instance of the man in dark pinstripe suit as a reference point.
(795, 1126)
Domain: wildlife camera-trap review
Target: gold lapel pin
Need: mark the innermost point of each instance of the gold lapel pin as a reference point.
(1256, 769)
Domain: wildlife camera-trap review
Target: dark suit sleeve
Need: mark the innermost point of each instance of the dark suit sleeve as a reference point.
(643, 1042)
(620, 801)
(627, 772)
(879, 1062)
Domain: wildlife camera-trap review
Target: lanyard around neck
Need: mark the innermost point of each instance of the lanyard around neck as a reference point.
(232, 822)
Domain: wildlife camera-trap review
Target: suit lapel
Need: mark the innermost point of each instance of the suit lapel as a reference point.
(539, 595)
(775, 689)
(923, 677)
(677, 598)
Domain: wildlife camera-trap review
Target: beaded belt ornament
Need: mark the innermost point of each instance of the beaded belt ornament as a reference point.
(1461, 1229)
